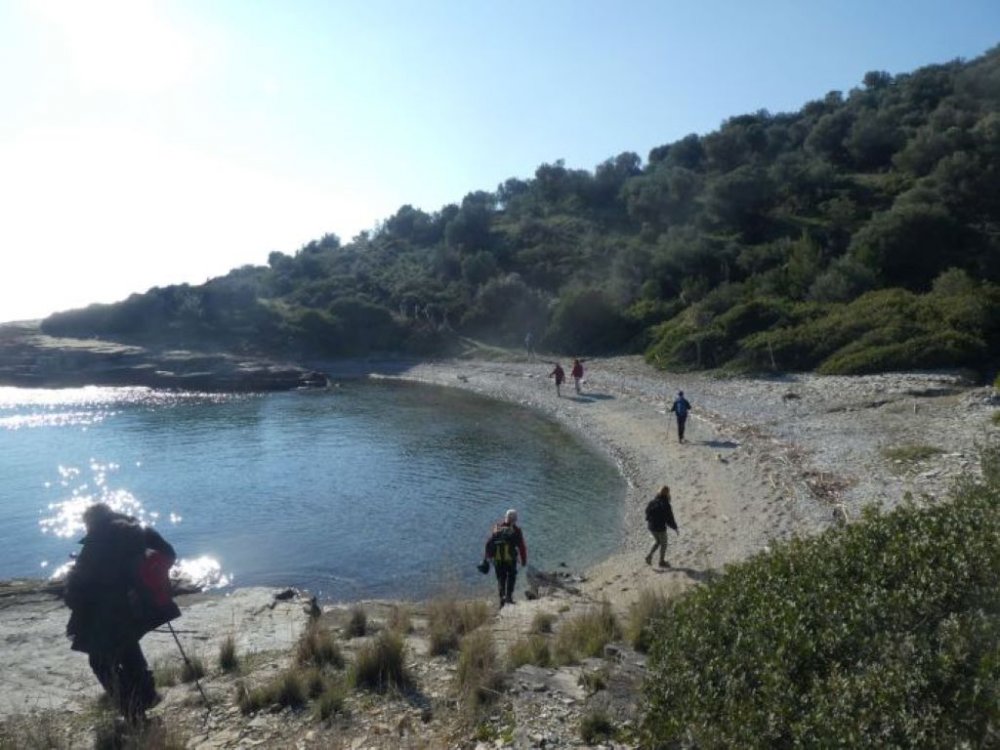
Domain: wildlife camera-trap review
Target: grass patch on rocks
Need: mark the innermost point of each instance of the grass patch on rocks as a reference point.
(910, 454)
(449, 619)
(585, 635)
(317, 647)
(478, 676)
(531, 650)
(380, 664)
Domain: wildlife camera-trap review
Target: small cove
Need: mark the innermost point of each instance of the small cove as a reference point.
(370, 489)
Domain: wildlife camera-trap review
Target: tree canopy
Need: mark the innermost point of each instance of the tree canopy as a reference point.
(812, 239)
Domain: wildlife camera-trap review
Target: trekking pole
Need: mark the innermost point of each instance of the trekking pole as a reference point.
(189, 664)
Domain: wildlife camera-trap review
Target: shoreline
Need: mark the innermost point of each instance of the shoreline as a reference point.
(767, 458)
(762, 472)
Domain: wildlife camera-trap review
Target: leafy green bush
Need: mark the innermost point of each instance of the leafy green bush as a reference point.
(881, 633)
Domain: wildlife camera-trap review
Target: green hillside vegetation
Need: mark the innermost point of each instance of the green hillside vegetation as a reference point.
(860, 233)
(884, 633)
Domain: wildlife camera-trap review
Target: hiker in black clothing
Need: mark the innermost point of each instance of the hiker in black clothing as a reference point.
(505, 544)
(659, 515)
(681, 407)
(115, 601)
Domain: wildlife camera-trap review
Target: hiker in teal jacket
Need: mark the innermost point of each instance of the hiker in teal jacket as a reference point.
(505, 545)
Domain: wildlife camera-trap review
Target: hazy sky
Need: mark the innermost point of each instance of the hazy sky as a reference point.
(150, 143)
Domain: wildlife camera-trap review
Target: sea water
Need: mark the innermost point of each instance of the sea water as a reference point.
(368, 489)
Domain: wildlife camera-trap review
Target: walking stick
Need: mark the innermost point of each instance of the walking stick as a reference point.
(188, 662)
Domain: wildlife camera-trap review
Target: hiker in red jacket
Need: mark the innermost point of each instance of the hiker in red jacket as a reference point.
(577, 373)
(560, 375)
(505, 544)
(118, 591)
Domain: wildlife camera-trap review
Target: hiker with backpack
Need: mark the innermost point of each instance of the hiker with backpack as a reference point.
(659, 515)
(681, 407)
(117, 591)
(504, 546)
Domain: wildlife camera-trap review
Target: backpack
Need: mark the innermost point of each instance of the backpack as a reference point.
(503, 544)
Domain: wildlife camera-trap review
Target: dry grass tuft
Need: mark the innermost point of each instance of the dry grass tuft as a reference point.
(585, 635)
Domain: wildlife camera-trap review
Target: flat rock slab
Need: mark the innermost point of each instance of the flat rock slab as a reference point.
(41, 672)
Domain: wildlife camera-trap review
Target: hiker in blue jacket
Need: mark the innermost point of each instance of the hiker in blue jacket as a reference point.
(681, 407)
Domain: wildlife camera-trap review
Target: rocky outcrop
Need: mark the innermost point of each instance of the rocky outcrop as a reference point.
(29, 358)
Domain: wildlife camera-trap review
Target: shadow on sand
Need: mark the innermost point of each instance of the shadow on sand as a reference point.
(701, 576)
(719, 443)
(585, 398)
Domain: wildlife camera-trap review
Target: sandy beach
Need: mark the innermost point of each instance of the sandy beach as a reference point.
(765, 459)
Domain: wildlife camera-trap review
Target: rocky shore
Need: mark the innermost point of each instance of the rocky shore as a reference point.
(765, 459)
(31, 359)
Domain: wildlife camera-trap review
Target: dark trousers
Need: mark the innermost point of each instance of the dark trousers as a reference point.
(124, 675)
(681, 421)
(506, 576)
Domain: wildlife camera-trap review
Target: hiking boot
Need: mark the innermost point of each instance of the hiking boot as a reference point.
(502, 602)
(664, 564)
(649, 560)
(510, 599)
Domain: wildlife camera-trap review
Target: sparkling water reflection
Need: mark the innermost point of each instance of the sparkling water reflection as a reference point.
(366, 490)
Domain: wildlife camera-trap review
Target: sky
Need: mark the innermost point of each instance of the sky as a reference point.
(151, 142)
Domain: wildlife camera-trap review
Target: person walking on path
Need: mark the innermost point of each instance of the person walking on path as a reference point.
(117, 591)
(659, 515)
(681, 407)
(529, 344)
(504, 546)
(560, 375)
(577, 373)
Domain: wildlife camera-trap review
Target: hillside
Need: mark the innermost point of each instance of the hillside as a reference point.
(858, 234)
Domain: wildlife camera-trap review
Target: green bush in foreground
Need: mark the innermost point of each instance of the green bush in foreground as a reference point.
(884, 633)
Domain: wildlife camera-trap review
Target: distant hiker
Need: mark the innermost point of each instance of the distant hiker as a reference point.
(577, 373)
(529, 344)
(681, 407)
(659, 515)
(560, 375)
(504, 546)
(118, 590)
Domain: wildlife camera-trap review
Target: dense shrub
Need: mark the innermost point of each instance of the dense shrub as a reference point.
(881, 633)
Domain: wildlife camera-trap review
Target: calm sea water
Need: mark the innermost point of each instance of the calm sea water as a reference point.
(366, 490)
